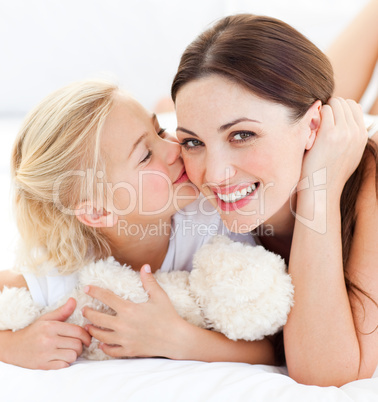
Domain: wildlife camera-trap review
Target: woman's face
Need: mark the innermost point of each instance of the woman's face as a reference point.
(244, 153)
(143, 165)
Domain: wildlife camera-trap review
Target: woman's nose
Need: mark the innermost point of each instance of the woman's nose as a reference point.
(219, 169)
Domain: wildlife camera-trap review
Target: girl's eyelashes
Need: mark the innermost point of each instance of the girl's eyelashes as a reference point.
(147, 157)
(160, 132)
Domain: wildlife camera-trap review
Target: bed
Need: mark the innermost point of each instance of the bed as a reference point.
(166, 380)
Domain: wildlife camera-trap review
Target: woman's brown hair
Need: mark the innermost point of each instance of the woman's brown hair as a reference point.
(279, 64)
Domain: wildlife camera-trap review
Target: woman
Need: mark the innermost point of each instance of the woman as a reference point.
(265, 142)
(354, 56)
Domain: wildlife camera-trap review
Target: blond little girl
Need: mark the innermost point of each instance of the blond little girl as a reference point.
(95, 175)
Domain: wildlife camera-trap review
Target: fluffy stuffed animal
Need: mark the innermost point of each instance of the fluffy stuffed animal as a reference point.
(240, 290)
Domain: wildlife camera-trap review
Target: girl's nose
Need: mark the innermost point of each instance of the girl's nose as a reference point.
(172, 151)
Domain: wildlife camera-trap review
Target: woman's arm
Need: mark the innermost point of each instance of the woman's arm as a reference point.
(155, 329)
(321, 342)
(48, 343)
(362, 269)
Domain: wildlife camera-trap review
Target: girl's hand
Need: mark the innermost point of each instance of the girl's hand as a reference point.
(138, 329)
(339, 145)
(49, 343)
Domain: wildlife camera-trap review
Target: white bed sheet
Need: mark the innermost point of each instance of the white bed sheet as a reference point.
(166, 380)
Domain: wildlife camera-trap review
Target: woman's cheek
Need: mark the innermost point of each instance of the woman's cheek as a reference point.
(193, 169)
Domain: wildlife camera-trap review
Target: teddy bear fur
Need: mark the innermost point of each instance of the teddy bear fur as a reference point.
(240, 290)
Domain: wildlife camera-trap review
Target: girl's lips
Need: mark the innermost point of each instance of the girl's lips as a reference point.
(232, 206)
(182, 177)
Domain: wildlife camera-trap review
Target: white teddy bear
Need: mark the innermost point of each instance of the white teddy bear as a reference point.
(240, 290)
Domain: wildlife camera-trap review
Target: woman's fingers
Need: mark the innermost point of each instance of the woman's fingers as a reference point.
(113, 350)
(338, 111)
(328, 120)
(102, 335)
(150, 283)
(106, 296)
(350, 112)
(99, 319)
(358, 116)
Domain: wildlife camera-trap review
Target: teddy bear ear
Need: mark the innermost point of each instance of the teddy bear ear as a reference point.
(221, 239)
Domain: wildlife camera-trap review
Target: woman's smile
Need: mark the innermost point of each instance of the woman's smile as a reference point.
(236, 197)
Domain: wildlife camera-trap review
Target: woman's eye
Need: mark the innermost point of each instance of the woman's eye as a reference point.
(147, 157)
(190, 144)
(243, 135)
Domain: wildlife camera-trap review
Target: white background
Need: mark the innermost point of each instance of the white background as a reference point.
(48, 43)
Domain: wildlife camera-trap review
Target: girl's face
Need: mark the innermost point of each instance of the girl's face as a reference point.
(143, 165)
(244, 153)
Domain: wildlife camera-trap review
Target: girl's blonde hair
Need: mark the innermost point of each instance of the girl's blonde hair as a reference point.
(55, 149)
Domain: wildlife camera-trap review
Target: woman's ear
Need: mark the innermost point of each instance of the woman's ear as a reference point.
(314, 120)
(87, 213)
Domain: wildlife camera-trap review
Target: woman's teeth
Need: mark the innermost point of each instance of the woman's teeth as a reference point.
(237, 195)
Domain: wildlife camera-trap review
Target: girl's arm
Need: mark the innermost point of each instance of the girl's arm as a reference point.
(48, 343)
(155, 329)
(321, 337)
(11, 280)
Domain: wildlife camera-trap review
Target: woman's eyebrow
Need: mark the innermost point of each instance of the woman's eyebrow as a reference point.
(186, 131)
(226, 126)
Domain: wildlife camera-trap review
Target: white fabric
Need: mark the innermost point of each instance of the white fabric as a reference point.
(47, 290)
(191, 228)
(371, 122)
(142, 380)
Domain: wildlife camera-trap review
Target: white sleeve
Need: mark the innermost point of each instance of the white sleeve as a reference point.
(47, 290)
(38, 288)
(371, 122)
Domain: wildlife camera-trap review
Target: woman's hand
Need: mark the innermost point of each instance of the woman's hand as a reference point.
(138, 329)
(339, 144)
(48, 344)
